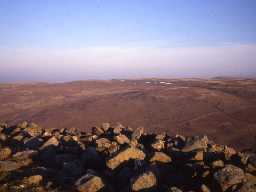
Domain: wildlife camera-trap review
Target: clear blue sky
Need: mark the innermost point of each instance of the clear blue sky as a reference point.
(79, 24)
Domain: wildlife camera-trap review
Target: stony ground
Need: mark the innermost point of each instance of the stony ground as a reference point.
(117, 158)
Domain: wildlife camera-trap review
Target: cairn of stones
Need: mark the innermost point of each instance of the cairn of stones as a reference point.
(119, 159)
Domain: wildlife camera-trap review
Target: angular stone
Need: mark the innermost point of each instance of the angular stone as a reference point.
(249, 185)
(158, 145)
(105, 126)
(217, 164)
(50, 142)
(117, 129)
(23, 124)
(5, 153)
(97, 131)
(144, 181)
(122, 139)
(127, 154)
(199, 156)
(3, 137)
(33, 143)
(204, 188)
(102, 144)
(228, 176)
(92, 159)
(160, 157)
(137, 133)
(33, 130)
(174, 189)
(6, 166)
(90, 182)
(195, 143)
(33, 180)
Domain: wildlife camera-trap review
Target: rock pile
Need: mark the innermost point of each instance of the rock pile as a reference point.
(118, 159)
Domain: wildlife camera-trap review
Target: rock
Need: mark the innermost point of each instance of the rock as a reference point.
(117, 129)
(97, 131)
(60, 159)
(33, 180)
(228, 176)
(204, 188)
(28, 154)
(102, 144)
(33, 143)
(105, 126)
(92, 159)
(18, 160)
(217, 164)
(195, 143)
(23, 125)
(127, 154)
(229, 152)
(73, 168)
(122, 139)
(249, 185)
(158, 145)
(50, 142)
(199, 156)
(5, 153)
(160, 157)
(90, 182)
(6, 166)
(114, 147)
(161, 136)
(144, 181)
(33, 130)
(2, 137)
(174, 189)
(137, 133)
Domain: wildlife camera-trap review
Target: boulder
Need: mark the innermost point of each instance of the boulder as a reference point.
(122, 139)
(34, 180)
(137, 133)
(228, 176)
(90, 182)
(145, 181)
(92, 159)
(102, 144)
(217, 164)
(158, 145)
(97, 131)
(33, 130)
(53, 141)
(125, 155)
(5, 153)
(195, 143)
(160, 157)
(105, 126)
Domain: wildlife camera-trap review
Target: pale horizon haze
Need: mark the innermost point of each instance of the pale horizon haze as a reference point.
(66, 40)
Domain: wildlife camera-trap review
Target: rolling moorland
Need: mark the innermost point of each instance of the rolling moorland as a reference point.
(224, 109)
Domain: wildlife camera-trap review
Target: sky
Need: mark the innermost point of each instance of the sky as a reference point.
(66, 40)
